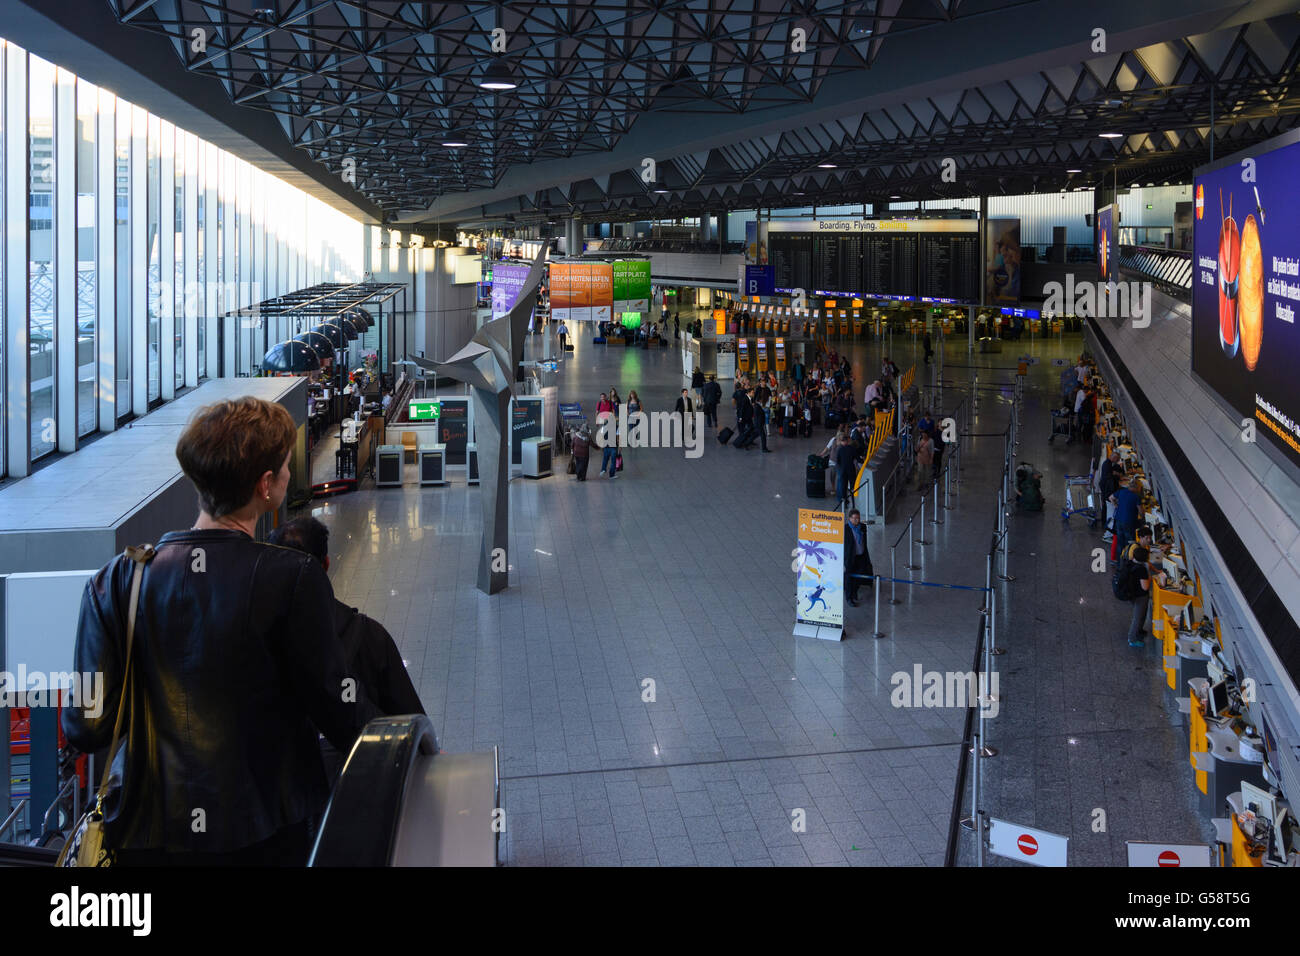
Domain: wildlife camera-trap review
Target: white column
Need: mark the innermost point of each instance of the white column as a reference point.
(64, 256)
(18, 436)
(139, 231)
(167, 260)
(106, 258)
(210, 278)
(191, 300)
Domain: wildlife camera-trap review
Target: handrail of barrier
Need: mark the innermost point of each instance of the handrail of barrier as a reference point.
(963, 758)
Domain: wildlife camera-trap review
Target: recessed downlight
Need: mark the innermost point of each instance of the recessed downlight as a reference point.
(1111, 135)
(454, 143)
(826, 166)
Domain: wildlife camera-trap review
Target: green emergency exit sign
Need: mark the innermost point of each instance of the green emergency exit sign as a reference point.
(424, 410)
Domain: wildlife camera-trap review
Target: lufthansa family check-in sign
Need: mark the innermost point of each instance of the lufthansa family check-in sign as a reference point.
(819, 562)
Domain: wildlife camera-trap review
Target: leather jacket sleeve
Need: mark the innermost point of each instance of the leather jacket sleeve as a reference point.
(101, 636)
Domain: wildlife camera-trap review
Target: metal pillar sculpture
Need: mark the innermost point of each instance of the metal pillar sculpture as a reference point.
(488, 364)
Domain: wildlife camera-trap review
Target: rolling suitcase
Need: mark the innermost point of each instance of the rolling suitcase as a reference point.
(816, 477)
(805, 428)
(790, 429)
(568, 347)
(724, 436)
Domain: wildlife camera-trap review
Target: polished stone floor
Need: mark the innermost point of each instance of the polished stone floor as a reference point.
(678, 572)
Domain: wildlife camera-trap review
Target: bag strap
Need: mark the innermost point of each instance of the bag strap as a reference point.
(140, 555)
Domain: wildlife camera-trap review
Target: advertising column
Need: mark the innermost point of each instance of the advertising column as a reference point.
(819, 563)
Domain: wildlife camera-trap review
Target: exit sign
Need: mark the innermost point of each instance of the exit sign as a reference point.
(424, 410)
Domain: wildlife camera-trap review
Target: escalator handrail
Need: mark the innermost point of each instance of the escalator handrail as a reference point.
(362, 817)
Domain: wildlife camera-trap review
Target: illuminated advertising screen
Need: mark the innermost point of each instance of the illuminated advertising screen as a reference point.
(1106, 249)
(1002, 255)
(1246, 287)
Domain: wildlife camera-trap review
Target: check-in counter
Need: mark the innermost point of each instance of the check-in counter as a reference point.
(1225, 767)
(1166, 606)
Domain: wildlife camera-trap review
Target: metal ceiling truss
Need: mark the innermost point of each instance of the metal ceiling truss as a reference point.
(386, 83)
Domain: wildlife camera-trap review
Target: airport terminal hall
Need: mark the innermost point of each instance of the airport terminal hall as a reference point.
(929, 365)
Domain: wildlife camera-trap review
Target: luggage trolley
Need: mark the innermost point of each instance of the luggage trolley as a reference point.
(1079, 499)
(1061, 425)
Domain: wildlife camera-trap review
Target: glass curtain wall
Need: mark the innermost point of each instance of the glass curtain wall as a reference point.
(244, 244)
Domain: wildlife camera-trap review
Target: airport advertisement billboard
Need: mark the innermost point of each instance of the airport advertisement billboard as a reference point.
(631, 285)
(1002, 255)
(1107, 265)
(582, 291)
(1246, 287)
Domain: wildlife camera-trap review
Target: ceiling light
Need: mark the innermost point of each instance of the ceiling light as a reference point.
(1074, 170)
(895, 197)
(825, 165)
(661, 190)
(497, 77)
(1111, 135)
(454, 142)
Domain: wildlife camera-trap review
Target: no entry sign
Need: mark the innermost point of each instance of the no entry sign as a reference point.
(1026, 844)
(1168, 855)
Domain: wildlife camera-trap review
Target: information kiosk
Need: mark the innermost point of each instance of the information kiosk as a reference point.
(762, 355)
(742, 356)
(844, 323)
(857, 323)
(780, 355)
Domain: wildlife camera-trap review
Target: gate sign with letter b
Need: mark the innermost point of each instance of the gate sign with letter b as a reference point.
(758, 280)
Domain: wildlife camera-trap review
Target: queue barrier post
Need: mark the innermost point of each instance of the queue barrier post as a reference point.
(878, 632)
(934, 505)
(922, 540)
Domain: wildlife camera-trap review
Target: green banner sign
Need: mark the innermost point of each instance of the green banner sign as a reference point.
(632, 282)
(424, 410)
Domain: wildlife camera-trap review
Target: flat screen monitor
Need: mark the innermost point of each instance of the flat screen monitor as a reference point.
(1219, 701)
(1259, 801)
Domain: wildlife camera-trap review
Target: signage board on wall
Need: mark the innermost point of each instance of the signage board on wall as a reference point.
(453, 427)
(525, 422)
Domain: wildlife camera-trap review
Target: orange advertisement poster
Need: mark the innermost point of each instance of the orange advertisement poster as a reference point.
(600, 290)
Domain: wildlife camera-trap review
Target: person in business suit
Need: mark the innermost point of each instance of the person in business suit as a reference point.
(686, 408)
(856, 559)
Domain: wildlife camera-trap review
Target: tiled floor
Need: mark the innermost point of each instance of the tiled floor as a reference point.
(679, 573)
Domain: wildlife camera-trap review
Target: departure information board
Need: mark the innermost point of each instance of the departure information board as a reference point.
(916, 259)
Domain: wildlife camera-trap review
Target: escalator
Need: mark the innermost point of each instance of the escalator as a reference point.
(398, 802)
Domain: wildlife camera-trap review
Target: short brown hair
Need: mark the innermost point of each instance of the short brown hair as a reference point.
(229, 445)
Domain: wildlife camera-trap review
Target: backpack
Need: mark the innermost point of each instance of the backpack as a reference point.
(1124, 582)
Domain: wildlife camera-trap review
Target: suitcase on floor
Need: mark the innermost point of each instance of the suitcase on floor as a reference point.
(790, 429)
(724, 436)
(598, 340)
(816, 481)
(805, 428)
(663, 343)
(568, 347)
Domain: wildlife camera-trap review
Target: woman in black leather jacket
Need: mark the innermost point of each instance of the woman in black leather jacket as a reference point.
(236, 664)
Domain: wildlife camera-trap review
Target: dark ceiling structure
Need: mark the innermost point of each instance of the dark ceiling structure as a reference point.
(739, 103)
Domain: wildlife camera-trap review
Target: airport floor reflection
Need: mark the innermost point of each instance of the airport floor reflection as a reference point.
(678, 573)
